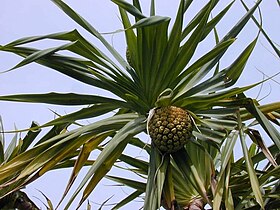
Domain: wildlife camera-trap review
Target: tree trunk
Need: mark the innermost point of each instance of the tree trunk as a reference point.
(17, 200)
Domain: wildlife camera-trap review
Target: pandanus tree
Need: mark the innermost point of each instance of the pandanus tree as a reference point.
(192, 110)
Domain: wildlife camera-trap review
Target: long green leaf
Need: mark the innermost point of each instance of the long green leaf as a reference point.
(196, 20)
(168, 188)
(137, 185)
(85, 113)
(219, 191)
(161, 174)
(22, 160)
(226, 156)
(172, 48)
(131, 44)
(190, 170)
(66, 36)
(39, 54)
(2, 140)
(264, 122)
(225, 78)
(61, 99)
(128, 199)
(152, 72)
(229, 203)
(188, 48)
(137, 163)
(129, 8)
(82, 159)
(212, 23)
(182, 81)
(249, 165)
(87, 26)
(277, 51)
(11, 149)
(199, 75)
(107, 157)
(75, 68)
(30, 136)
(81, 47)
(151, 201)
(234, 71)
(227, 150)
(208, 100)
(152, 41)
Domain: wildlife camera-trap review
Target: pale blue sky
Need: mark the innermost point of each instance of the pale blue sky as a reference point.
(21, 18)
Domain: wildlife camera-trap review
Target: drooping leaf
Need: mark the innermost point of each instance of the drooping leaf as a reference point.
(30, 136)
(149, 21)
(71, 137)
(265, 109)
(257, 139)
(129, 8)
(55, 143)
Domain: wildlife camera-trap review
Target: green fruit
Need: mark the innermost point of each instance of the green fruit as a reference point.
(170, 128)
